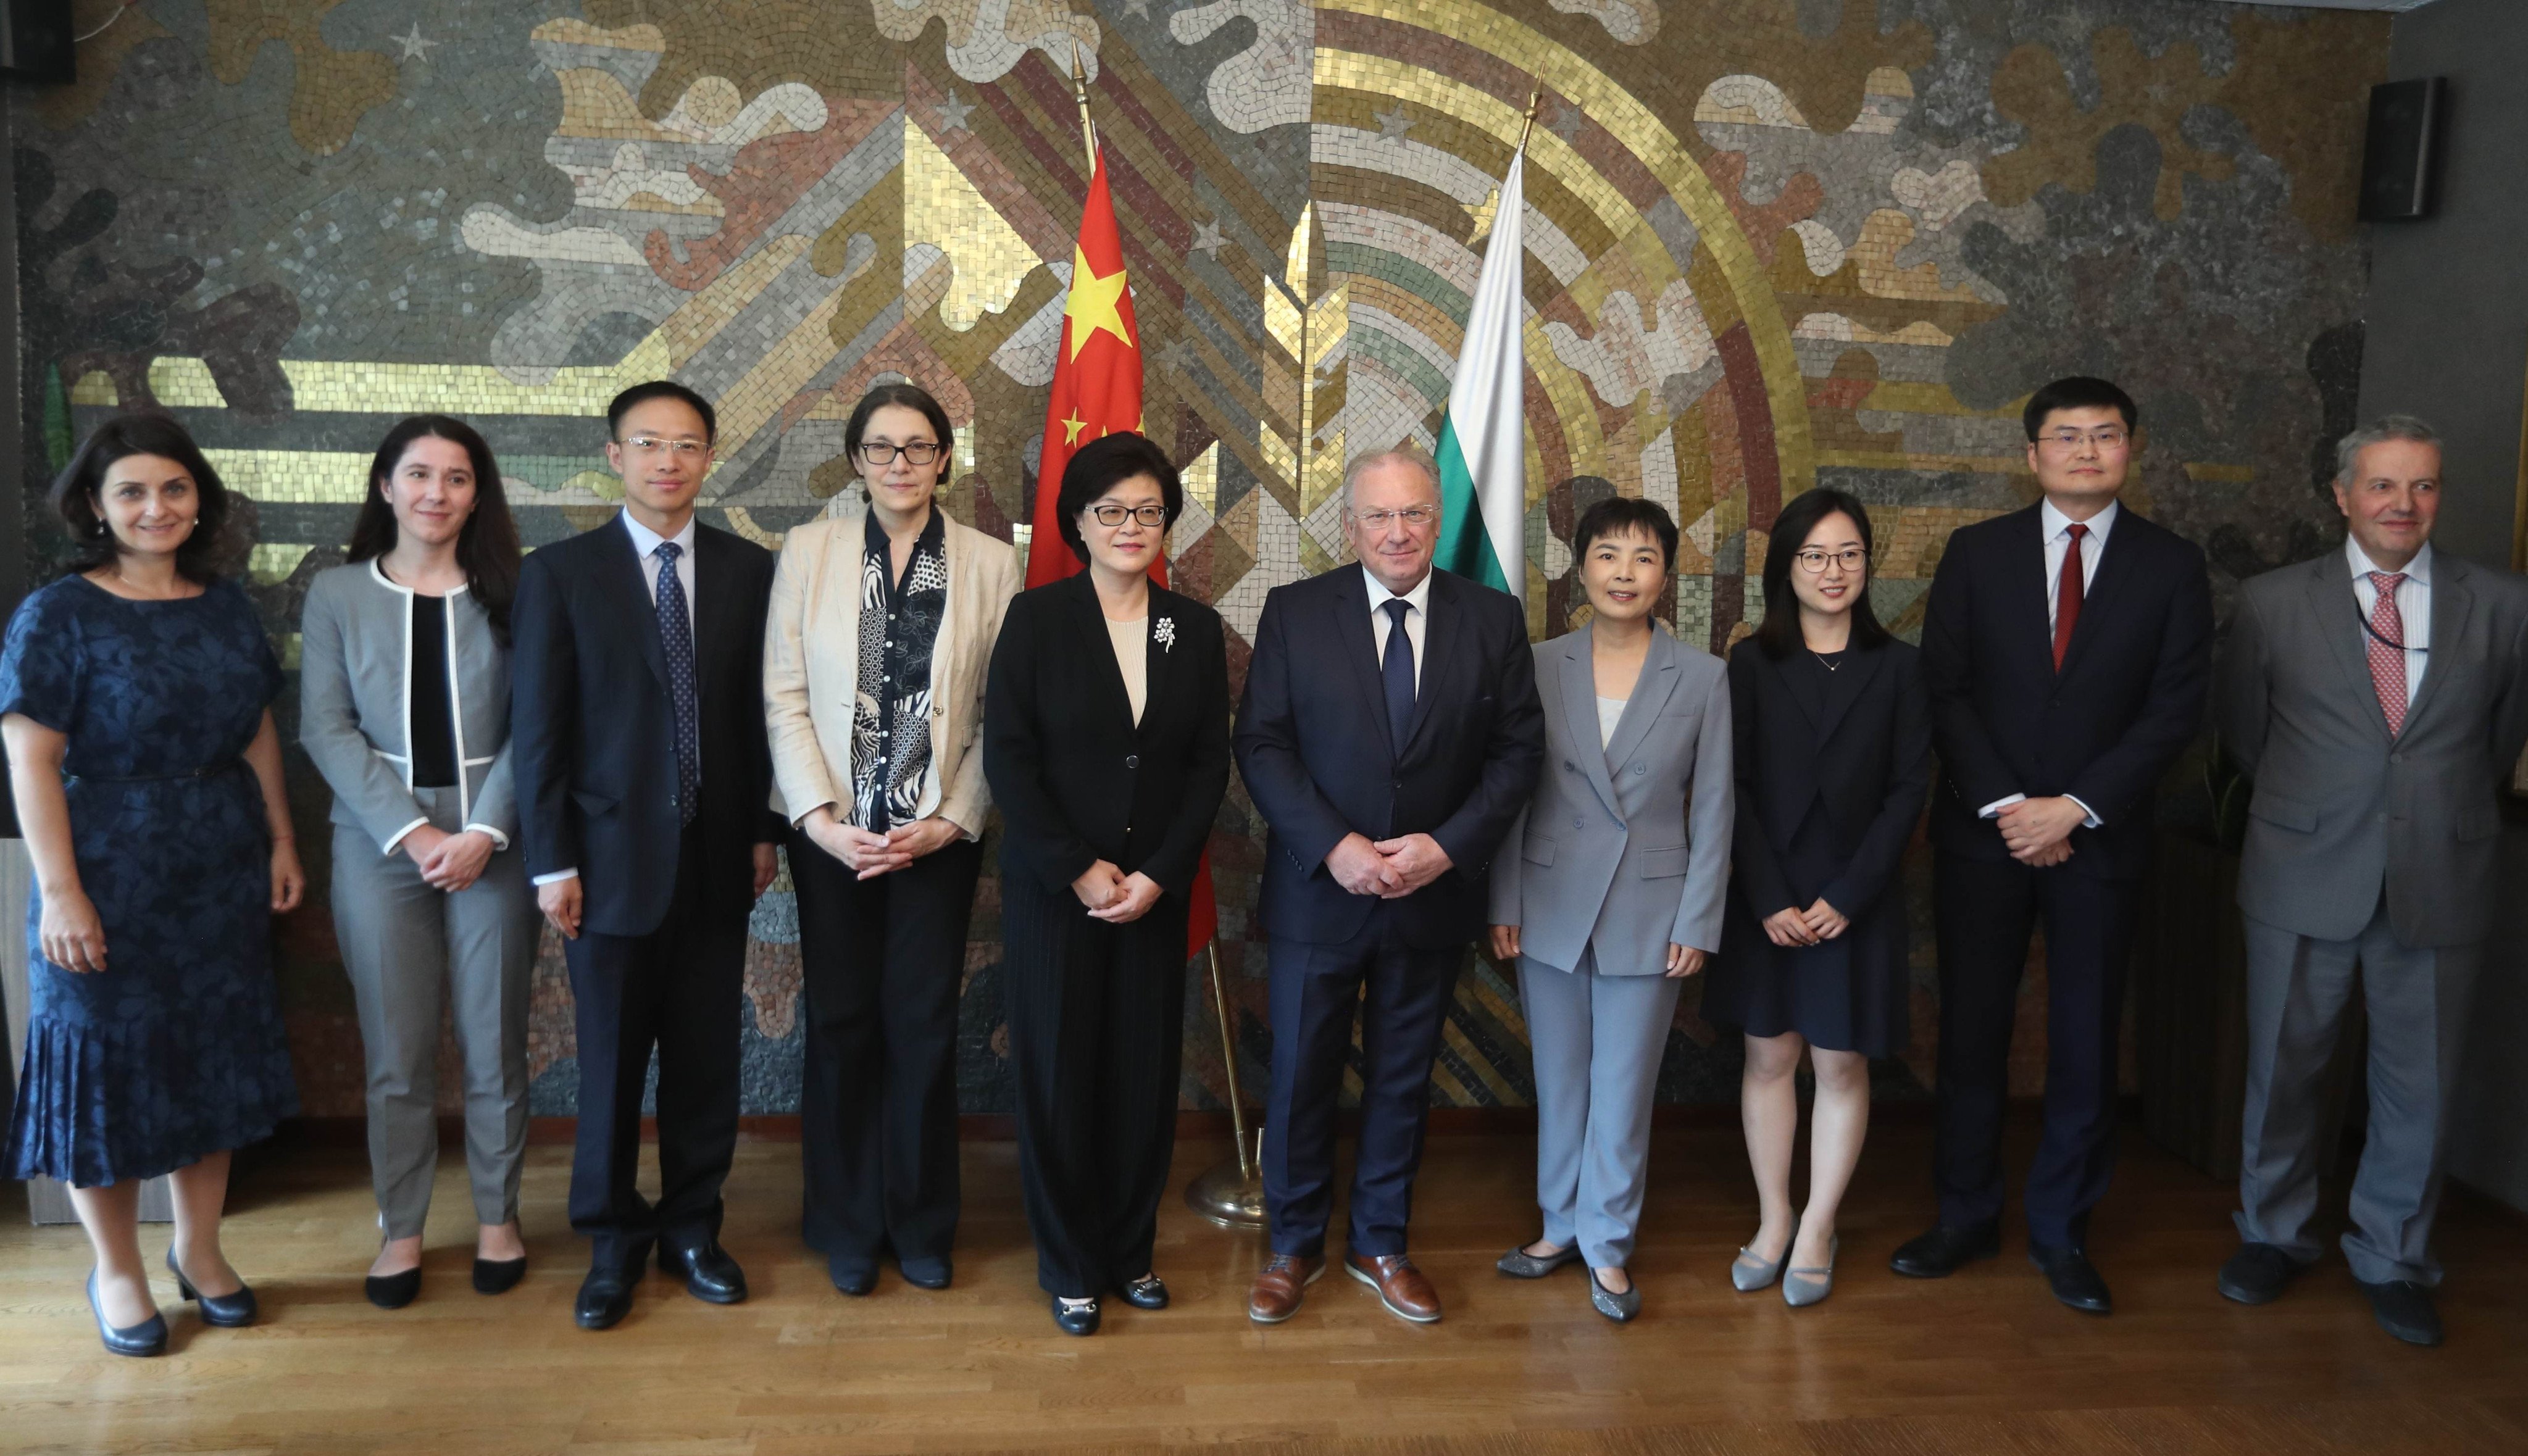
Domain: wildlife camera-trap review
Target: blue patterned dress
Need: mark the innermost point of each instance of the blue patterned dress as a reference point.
(175, 1051)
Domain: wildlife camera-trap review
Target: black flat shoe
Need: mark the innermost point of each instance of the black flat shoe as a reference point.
(2404, 1310)
(1075, 1317)
(710, 1274)
(499, 1275)
(2257, 1274)
(1944, 1250)
(604, 1298)
(227, 1311)
(1519, 1264)
(148, 1337)
(393, 1291)
(853, 1273)
(1148, 1292)
(927, 1273)
(2074, 1278)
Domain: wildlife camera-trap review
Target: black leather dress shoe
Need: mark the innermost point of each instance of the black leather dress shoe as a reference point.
(2404, 1310)
(852, 1274)
(927, 1273)
(604, 1298)
(227, 1311)
(2075, 1280)
(148, 1337)
(1148, 1292)
(499, 1275)
(710, 1274)
(2256, 1273)
(393, 1291)
(1076, 1317)
(1944, 1250)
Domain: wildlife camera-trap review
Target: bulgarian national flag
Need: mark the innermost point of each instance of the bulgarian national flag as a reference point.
(1483, 439)
(1098, 391)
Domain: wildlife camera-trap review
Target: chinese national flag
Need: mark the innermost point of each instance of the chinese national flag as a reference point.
(1098, 391)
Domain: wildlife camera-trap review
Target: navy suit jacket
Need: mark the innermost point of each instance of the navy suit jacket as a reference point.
(594, 734)
(2129, 698)
(1315, 749)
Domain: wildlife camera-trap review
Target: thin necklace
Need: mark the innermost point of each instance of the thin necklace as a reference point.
(1823, 662)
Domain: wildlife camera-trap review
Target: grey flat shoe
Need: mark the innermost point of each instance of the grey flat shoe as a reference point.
(1621, 1308)
(1751, 1274)
(1802, 1288)
(1519, 1264)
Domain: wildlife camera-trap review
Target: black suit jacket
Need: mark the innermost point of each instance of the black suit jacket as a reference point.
(1076, 779)
(594, 734)
(2129, 699)
(1864, 767)
(1314, 746)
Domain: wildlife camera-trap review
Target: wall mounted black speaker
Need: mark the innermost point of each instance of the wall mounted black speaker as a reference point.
(2404, 144)
(36, 40)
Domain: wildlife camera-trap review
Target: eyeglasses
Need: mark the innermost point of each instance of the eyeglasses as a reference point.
(2105, 438)
(879, 453)
(1415, 516)
(651, 444)
(1108, 513)
(1812, 560)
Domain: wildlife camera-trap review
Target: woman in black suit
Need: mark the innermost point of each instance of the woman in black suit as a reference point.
(1833, 760)
(1106, 744)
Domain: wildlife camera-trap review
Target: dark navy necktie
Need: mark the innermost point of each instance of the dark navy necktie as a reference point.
(1398, 671)
(676, 635)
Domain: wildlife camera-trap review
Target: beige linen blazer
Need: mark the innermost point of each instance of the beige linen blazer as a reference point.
(812, 667)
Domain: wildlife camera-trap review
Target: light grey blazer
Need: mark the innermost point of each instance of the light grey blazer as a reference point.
(2339, 806)
(1624, 849)
(354, 687)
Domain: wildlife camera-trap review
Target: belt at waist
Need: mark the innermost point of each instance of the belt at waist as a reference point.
(211, 772)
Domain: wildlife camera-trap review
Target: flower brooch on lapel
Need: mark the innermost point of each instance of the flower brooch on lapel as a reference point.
(1164, 633)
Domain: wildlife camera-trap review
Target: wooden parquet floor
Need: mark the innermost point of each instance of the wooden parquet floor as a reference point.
(1984, 1362)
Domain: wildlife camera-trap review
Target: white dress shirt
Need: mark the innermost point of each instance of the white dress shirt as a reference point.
(646, 543)
(1417, 620)
(2057, 540)
(2413, 604)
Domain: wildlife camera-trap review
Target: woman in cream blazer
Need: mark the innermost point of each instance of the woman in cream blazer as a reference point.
(875, 660)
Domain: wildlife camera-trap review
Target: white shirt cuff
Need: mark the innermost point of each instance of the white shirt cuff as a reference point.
(1998, 804)
(557, 876)
(498, 839)
(398, 836)
(2092, 821)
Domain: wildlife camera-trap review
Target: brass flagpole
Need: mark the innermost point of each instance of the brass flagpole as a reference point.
(1231, 1193)
(1080, 91)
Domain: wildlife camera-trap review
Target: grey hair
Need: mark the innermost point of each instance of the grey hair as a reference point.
(1407, 454)
(2407, 427)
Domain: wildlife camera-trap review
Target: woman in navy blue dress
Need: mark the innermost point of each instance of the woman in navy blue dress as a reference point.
(133, 696)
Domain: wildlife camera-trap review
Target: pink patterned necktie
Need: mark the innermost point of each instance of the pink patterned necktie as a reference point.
(2388, 663)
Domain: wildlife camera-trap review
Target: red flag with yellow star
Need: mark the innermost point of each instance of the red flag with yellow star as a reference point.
(1096, 391)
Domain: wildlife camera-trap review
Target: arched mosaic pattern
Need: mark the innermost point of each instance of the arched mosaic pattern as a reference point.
(1771, 244)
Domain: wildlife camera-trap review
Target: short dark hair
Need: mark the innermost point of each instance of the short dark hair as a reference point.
(2079, 391)
(1779, 633)
(487, 546)
(74, 494)
(902, 395)
(660, 388)
(1624, 515)
(1101, 465)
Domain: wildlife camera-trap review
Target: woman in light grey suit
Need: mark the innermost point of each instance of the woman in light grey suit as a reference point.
(1614, 893)
(404, 708)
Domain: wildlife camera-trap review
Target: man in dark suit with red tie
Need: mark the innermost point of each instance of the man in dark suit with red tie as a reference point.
(2067, 650)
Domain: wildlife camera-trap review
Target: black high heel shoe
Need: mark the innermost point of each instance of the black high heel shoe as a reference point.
(148, 1337)
(227, 1311)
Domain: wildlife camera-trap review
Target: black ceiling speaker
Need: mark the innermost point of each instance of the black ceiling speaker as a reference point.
(2403, 145)
(38, 42)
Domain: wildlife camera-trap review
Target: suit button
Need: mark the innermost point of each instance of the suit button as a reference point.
(1132, 761)
(1570, 767)
(1579, 823)
(2395, 758)
(1640, 768)
(1398, 784)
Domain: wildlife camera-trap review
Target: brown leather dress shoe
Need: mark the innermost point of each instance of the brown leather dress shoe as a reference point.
(1401, 1286)
(1278, 1289)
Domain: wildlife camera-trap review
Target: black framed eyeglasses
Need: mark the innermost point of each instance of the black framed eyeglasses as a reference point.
(1108, 513)
(879, 454)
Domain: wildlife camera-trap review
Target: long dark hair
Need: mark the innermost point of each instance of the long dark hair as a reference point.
(1779, 633)
(487, 546)
(73, 496)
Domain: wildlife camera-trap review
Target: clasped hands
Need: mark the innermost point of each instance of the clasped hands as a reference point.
(1818, 923)
(871, 854)
(1114, 896)
(1389, 868)
(448, 861)
(2038, 831)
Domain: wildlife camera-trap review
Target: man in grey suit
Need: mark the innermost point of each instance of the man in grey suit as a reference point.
(2375, 696)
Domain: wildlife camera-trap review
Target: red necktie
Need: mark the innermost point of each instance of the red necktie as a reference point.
(2067, 597)
(2388, 663)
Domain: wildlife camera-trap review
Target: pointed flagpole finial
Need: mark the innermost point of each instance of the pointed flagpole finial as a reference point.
(1080, 90)
(1527, 126)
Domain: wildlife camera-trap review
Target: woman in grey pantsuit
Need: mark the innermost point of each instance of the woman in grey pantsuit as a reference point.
(1609, 890)
(404, 707)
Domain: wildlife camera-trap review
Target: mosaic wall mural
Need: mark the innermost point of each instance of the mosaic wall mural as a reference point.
(1771, 244)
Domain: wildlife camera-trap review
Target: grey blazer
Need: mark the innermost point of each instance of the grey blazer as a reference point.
(352, 684)
(2339, 806)
(1625, 848)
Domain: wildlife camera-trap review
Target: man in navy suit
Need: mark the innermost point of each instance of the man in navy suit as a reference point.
(1390, 734)
(644, 775)
(2067, 650)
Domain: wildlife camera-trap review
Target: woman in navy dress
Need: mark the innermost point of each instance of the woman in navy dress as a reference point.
(1834, 760)
(133, 696)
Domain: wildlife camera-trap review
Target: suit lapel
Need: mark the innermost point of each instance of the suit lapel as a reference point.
(2451, 603)
(1158, 657)
(2115, 556)
(1443, 635)
(1078, 598)
(1349, 605)
(2028, 584)
(622, 577)
(2339, 620)
(1579, 704)
(1650, 694)
(709, 608)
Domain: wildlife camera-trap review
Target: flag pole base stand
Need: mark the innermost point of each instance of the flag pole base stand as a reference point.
(1229, 1195)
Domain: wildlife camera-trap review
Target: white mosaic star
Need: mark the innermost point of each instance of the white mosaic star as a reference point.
(953, 113)
(1138, 9)
(414, 47)
(1393, 124)
(1207, 239)
(1568, 121)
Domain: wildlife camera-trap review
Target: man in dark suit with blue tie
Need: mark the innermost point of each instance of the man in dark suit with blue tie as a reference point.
(2066, 649)
(1390, 734)
(644, 778)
